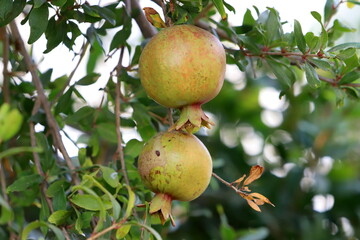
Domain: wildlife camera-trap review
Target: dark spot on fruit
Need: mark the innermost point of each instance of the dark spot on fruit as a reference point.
(157, 172)
(157, 152)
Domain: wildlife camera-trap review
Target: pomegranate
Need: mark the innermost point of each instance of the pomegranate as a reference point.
(176, 166)
(183, 67)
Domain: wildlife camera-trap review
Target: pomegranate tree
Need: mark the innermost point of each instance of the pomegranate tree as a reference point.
(175, 166)
(183, 67)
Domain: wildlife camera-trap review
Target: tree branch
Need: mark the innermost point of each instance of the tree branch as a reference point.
(44, 101)
(33, 139)
(6, 84)
(3, 181)
(120, 150)
(44, 185)
(146, 28)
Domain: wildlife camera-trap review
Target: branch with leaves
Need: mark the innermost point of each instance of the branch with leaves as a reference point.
(241, 187)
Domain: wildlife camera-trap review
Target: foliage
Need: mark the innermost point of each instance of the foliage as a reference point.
(310, 156)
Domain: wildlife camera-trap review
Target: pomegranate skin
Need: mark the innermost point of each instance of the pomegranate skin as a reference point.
(182, 65)
(177, 164)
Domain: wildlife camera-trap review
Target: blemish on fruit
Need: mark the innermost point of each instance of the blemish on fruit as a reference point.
(157, 152)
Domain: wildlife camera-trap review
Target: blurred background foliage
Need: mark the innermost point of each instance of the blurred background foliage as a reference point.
(278, 108)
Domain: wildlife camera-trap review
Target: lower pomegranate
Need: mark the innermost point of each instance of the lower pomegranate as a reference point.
(175, 166)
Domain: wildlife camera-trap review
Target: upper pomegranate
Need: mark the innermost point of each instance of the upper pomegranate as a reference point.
(183, 66)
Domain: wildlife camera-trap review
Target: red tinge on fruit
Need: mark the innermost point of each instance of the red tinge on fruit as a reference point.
(175, 166)
(183, 67)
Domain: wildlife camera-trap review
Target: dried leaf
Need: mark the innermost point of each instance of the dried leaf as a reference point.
(238, 181)
(259, 202)
(153, 17)
(253, 205)
(255, 173)
(262, 197)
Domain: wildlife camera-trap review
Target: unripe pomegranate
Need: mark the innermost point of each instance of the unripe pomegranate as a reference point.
(183, 67)
(176, 166)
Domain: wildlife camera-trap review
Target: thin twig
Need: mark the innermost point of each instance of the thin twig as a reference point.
(33, 139)
(3, 181)
(6, 83)
(120, 150)
(106, 230)
(163, 120)
(61, 92)
(44, 101)
(229, 184)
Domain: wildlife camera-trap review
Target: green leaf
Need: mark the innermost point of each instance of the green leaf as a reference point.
(84, 113)
(349, 77)
(121, 36)
(351, 63)
(299, 37)
(133, 148)
(44, 211)
(64, 104)
(219, 4)
(249, 44)
(95, 54)
(136, 56)
(38, 21)
(83, 221)
(36, 224)
(39, 3)
(19, 150)
(55, 33)
(56, 187)
(110, 176)
(9, 13)
(123, 231)
(273, 26)
(90, 202)
(146, 132)
(248, 18)
(322, 64)
(352, 92)
(88, 79)
(312, 41)
(24, 182)
(130, 203)
(317, 16)
(58, 3)
(346, 53)
(6, 213)
(283, 72)
(311, 75)
(107, 131)
(105, 13)
(47, 158)
(345, 46)
(6, 7)
(59, 217)
(324, 35)
(60, 200)
(328, 10)
(229, 7)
